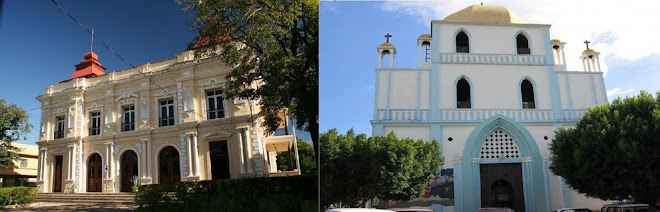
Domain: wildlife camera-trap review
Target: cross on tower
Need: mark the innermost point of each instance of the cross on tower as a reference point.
(91, 43)
(388, 36)
(587, 42)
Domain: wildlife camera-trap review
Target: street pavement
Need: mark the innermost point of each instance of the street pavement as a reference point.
(61, 207)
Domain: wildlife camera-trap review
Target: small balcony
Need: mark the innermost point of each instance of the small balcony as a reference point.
(281, 143)
(524, 51)
(462, 49)
(463, 104)
(94, 130)
(59, 134)
(529, 105)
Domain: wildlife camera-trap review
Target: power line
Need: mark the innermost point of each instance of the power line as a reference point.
(125, 61)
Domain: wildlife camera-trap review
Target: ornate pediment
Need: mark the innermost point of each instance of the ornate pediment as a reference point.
(127, 98)
(218, 134)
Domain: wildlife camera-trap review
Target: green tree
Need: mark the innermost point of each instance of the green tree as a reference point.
(614, 151)
(13, 125)
(272, 42)
(355, 168)
(286, 161)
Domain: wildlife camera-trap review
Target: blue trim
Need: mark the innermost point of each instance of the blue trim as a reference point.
(593, 88)
(456, 90)
(565, 194)
(419, 94)
(571, 113)
(471, 189)
(458, 187)
(529, 41)
(536, 102)
(436, 133)
(469, 40)
(378, 130)
(389, 93)
(376, 95)
(552, 76)
(434, 77)
(546, 181)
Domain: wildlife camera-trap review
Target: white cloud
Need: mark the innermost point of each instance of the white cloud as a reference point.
(623, 31)
(619, 92)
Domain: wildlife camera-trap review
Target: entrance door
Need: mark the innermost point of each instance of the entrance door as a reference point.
(502, 186)
(57, 178)
(94, 173)
(129, 169)
(168, 166)
(219, 160)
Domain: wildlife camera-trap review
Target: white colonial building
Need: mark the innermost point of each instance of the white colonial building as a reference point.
(492, 89)
(160, 122)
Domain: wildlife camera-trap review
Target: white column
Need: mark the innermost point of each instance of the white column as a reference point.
(195, 166)
(380, 59)
(148, 158)
(240, 146)
(248, 152)
(112, 160)
(189, 154)
(107, 159)
(144, 158)
(563, 56)
(39, 157)
(68, 171)
(391, 59)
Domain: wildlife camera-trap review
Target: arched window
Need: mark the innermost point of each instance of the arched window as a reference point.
(426, 48)
(463, 94)
(462, 43)
(523, 44)
(527, 92)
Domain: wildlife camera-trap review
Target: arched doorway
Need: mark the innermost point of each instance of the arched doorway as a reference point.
(94, 173)
(168, 166)
(129, 169)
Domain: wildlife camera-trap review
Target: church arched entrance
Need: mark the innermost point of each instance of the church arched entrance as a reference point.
(94, 173)
(168, 166)
(129, 169)
(502, 186)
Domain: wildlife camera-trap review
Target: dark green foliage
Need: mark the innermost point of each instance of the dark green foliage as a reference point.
(614, 151)
(17, 195)
(286, 161)
(297, 193)
(356, 168)
(13, 125)
(272, 42)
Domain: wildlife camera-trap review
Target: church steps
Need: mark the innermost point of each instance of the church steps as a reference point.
(126, 198)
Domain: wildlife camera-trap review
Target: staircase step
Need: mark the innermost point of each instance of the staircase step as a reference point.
(124, 198)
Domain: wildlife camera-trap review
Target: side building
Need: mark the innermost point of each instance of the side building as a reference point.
(492, 89)
(161, 122)
(24, 170)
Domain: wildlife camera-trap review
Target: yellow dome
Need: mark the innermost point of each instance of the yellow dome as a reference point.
(425, 36)
(555, 40)
(589, 50)
(386, 44)
(486, 13)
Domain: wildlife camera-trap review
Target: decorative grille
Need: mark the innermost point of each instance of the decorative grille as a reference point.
(499, 145)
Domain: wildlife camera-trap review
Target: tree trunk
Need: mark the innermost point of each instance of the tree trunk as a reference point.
(314, 132)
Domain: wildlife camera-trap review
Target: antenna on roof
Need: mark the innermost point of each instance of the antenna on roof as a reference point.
(91, 44)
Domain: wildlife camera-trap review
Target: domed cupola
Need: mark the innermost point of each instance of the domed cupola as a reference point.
(486, 13)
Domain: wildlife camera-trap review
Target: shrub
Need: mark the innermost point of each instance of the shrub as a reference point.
(155, 195)
(17, 195)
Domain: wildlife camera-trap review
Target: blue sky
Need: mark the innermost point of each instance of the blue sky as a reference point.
(39, 44)
(351, 31)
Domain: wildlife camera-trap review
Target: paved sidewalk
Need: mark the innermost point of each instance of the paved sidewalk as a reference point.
(52, 206)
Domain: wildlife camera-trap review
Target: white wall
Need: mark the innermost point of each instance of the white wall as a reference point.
(499, 39)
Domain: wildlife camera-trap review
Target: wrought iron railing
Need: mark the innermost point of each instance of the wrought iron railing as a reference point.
(94, 130)
(524, 51)
(462, 49)
(463, 104)
(528, 105)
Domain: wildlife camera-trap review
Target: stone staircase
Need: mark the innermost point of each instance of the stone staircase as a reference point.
(110, 198)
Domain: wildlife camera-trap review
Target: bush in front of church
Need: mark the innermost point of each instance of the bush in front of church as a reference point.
(17, 195)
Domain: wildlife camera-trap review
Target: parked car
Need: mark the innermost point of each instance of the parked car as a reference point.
(495, 210)
(411, 209)
(573, 210)
(619, 207)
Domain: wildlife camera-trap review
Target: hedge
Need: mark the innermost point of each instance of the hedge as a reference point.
(17, 195)
(296, 193)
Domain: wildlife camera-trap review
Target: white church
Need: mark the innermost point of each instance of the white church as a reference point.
(492, 89)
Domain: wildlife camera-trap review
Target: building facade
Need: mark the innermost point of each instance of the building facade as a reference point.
(24, 170)
(492, 89)
(161, 122)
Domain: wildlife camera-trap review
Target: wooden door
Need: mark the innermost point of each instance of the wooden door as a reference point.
(94, 173)
(219, 160)
(168, 166)
(57, 175)
(502, 186)
(129, 169)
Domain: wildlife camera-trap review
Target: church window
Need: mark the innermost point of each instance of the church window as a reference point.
(523, 44)
(462, 43)
(426, 47)
(95, 124)
(129, 119)
(216, 108)
(463, 94)
(59, 131)
(527, 92)
(499, 145)
(166, 112)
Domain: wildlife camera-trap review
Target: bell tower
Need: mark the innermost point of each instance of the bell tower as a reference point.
(88, 68)
(590, 59)
(560, 57)
(386, 49)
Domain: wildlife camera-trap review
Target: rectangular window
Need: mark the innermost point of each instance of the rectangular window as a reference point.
(59, 131)
(166, 113)
(23, 163)
(216, 107)
(95, 124)
(129, 119)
